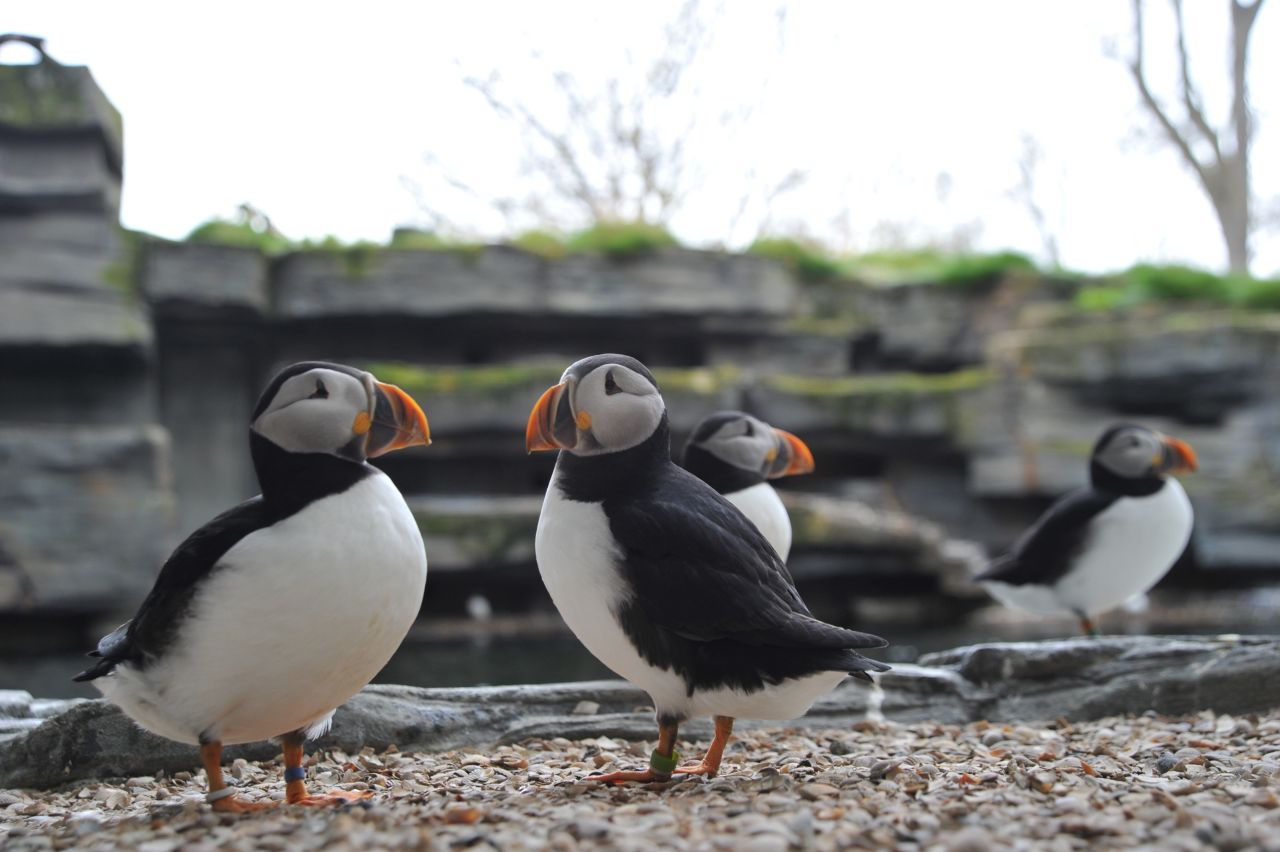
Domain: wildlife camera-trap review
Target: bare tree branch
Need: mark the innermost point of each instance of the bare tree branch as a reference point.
(1136, 69)
(1190, 97)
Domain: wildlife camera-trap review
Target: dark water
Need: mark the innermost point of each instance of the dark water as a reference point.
(549, 658)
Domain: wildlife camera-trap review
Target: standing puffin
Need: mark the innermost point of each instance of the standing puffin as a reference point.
(277, 611)
(1100, 545)
(737, 454)
(665, 581)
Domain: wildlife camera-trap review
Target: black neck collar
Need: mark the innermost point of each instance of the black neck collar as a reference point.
(594, 479)
(1104, 480)
(290, 481)
(719, 474)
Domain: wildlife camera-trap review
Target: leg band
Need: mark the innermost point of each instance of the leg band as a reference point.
(295, 773)
(663, 766)
(214, 795)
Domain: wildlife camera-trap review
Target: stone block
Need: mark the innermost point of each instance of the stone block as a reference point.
(197, 279)
(55, 318)
(403, 283)
(85, 513)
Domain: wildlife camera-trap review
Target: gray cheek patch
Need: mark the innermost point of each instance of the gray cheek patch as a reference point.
(741, 451)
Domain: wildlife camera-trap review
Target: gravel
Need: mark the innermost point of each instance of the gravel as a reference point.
(1204, 781)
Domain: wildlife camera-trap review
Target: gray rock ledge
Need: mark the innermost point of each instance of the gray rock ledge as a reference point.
(1074, 679)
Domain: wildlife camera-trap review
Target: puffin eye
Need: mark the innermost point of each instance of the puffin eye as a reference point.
(610, 386)
(321, 391)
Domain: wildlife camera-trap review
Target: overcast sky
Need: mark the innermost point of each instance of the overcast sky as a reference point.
(908, 118)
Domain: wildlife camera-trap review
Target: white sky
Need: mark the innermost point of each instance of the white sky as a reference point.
(314, 112)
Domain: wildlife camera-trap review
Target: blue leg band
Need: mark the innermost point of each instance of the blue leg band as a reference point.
(294, 773)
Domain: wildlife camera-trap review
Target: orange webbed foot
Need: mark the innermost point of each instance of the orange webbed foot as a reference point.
(703, 768)
(236, 805)
(646, 776)
(333, 798)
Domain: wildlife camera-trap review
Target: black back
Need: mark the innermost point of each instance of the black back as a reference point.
(710, 598)
(290, 482)
(1046, 552)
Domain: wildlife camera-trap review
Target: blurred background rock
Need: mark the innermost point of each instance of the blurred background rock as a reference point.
(948, 395)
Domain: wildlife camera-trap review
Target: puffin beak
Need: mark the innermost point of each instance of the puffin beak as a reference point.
(1178, 456)
(551, 423)
(397, 422)
(794, 459)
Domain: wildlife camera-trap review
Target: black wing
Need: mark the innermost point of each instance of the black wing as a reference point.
(711, 597)
(1045, 552)
(149, 632)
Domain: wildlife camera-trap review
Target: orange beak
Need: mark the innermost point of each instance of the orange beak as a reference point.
(1181, 458)
(799, 458)
(540, 433)
(398, 422)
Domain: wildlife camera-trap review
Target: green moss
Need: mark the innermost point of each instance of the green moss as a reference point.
(886, 384)
(1171, 284)
(489, 538)
(44, 95)
(621, 240)
(929, 265)
(1176, 284)
(546, 244)
(479, 381)
(242, 234)
(696, 380)
(980, 271)
(122, 272)
(808, 261)
(412, 239)
(499, 379)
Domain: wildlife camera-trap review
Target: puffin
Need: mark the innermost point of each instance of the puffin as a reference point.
(737, 455)
(267, 618)
(664, 580)
(1104, 543)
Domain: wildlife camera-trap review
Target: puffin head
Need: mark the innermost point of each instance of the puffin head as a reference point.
(318, 407)
(749, 444)
(1131, 452)
(603, 404)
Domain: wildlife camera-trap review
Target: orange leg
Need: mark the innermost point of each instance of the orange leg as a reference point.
(220, 795)
(661, 763)
(710, 764)
(295, 785)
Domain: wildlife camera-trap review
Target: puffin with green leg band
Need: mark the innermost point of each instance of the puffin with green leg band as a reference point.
(664, 580)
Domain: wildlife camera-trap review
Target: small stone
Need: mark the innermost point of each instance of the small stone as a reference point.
(589, 829)
(815, 791)
(884, 769)
(1166, 763)
(463, 815)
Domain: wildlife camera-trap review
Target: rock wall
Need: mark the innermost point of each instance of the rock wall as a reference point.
(85, 497)
(129, 367)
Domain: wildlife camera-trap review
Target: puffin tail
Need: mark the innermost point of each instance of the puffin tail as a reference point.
(102, 668)
(860, 667)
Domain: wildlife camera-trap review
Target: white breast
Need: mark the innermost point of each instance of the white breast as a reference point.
(1130, 546)
(297, 618)
(763, 507)
(578, 559)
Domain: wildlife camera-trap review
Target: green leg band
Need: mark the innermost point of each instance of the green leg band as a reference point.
(664, 766)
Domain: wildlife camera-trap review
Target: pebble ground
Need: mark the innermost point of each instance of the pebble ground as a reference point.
(1203, 782)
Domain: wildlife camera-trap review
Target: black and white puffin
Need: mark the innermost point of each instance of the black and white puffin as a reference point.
(665, 581)
(737, 455)
(277, 611)
(1100, 545)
